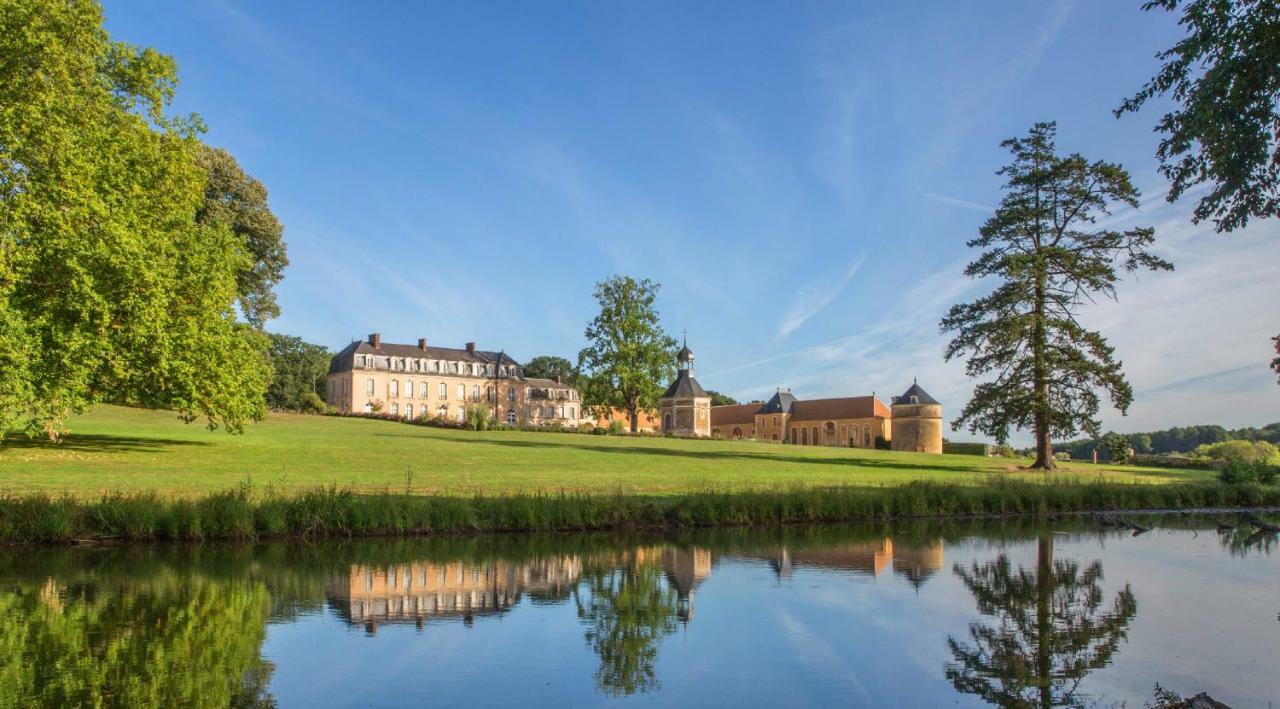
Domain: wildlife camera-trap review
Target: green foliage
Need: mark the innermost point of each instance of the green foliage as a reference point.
(478, 417)
(299, 371)
(616, 428)
(550, 367)
(1186, 439)
(242, 514)
(1246, 451)
(966, 448)
(628, 358)
(1224, 78)
(1040, 248)
(237, 202)
(107, 282)
(718, 399)
(1118, 448)
(1237, 472)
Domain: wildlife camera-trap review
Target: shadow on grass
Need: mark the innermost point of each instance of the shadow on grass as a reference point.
(96, 443)
(711, 455)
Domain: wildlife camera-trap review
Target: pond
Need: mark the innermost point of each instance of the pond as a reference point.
(1016, 613)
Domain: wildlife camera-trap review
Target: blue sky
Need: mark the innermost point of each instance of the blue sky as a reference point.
(801, 178)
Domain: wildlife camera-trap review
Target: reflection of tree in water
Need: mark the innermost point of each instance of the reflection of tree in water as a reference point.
(1049, 631)
(167, 642)
(627, 612)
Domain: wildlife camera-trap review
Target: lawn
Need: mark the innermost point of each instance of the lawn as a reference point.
(115, 449)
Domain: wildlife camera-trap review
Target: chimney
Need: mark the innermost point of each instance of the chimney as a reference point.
(376, 340)
(422, 343)
(471, 347)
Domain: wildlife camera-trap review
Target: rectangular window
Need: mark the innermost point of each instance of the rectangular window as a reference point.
(444, 390)
(395, 409)
(425, 390)
(475, 392)
(368, 387)
(462, 414)
(408, 410)
(395, 387)
(462, 392)
(511, 393)
(408, 389)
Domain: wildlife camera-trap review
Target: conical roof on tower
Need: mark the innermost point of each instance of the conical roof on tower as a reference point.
(915, 395)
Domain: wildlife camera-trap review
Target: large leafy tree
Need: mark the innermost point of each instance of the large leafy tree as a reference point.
(1044, 247)
(299, 371)
(107, 282)
(238, 202)
(1224, 129)
(628, 357)
(718, 399)
(550, 367)
(1049, 631)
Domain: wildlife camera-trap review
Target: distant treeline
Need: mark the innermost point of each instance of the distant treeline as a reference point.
(1180, 439)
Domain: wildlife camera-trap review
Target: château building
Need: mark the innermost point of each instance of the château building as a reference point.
(423, 381)
(914, 423)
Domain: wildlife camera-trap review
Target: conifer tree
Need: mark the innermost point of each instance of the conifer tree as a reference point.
(1045, 247)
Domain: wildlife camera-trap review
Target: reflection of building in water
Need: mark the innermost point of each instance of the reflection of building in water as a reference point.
(685, 569)
(918, 562)
(915, 562)
(419, 591)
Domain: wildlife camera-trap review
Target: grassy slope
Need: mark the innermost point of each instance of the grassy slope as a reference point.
(116, 449)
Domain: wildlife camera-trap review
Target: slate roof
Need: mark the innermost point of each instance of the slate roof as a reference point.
(922, 396)
(781, 403)
(734, 414)
(684, 387)
(344, 360)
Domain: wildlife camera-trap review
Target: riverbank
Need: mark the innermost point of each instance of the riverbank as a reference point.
(247, 513)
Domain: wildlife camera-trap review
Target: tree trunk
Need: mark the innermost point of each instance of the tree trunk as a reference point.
(634, 415)
(1044, 620)
(1044, 449)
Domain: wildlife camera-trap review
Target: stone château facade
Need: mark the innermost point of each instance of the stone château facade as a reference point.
(417, 381)
(914, 423)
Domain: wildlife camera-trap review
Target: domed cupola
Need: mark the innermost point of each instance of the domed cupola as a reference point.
(685, 357)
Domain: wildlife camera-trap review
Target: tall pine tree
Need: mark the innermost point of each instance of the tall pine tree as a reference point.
(1044, 246)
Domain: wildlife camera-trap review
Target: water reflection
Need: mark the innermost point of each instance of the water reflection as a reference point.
(161, 641)
(185, 626)
(1046, 630)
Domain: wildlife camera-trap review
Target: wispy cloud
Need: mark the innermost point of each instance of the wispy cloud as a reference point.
(957, 202)
(814, 296)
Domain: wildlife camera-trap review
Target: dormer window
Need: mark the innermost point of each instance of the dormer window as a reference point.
(915, 399)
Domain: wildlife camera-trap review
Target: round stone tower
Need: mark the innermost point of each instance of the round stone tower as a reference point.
(917, 422)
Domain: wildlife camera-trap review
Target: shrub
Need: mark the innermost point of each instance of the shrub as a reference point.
(616, 428)
(1061, 456)
(966, 448)
(1247, 451)
(478, 417)
(1237, 472)
(882, 444)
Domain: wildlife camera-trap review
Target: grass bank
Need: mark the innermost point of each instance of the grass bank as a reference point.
(247, 514)
(136, 452)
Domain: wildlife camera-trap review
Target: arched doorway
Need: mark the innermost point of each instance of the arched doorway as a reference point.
(737, 434)
(666, 422)
(804, 436)
(716, 434)
(828, 434)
